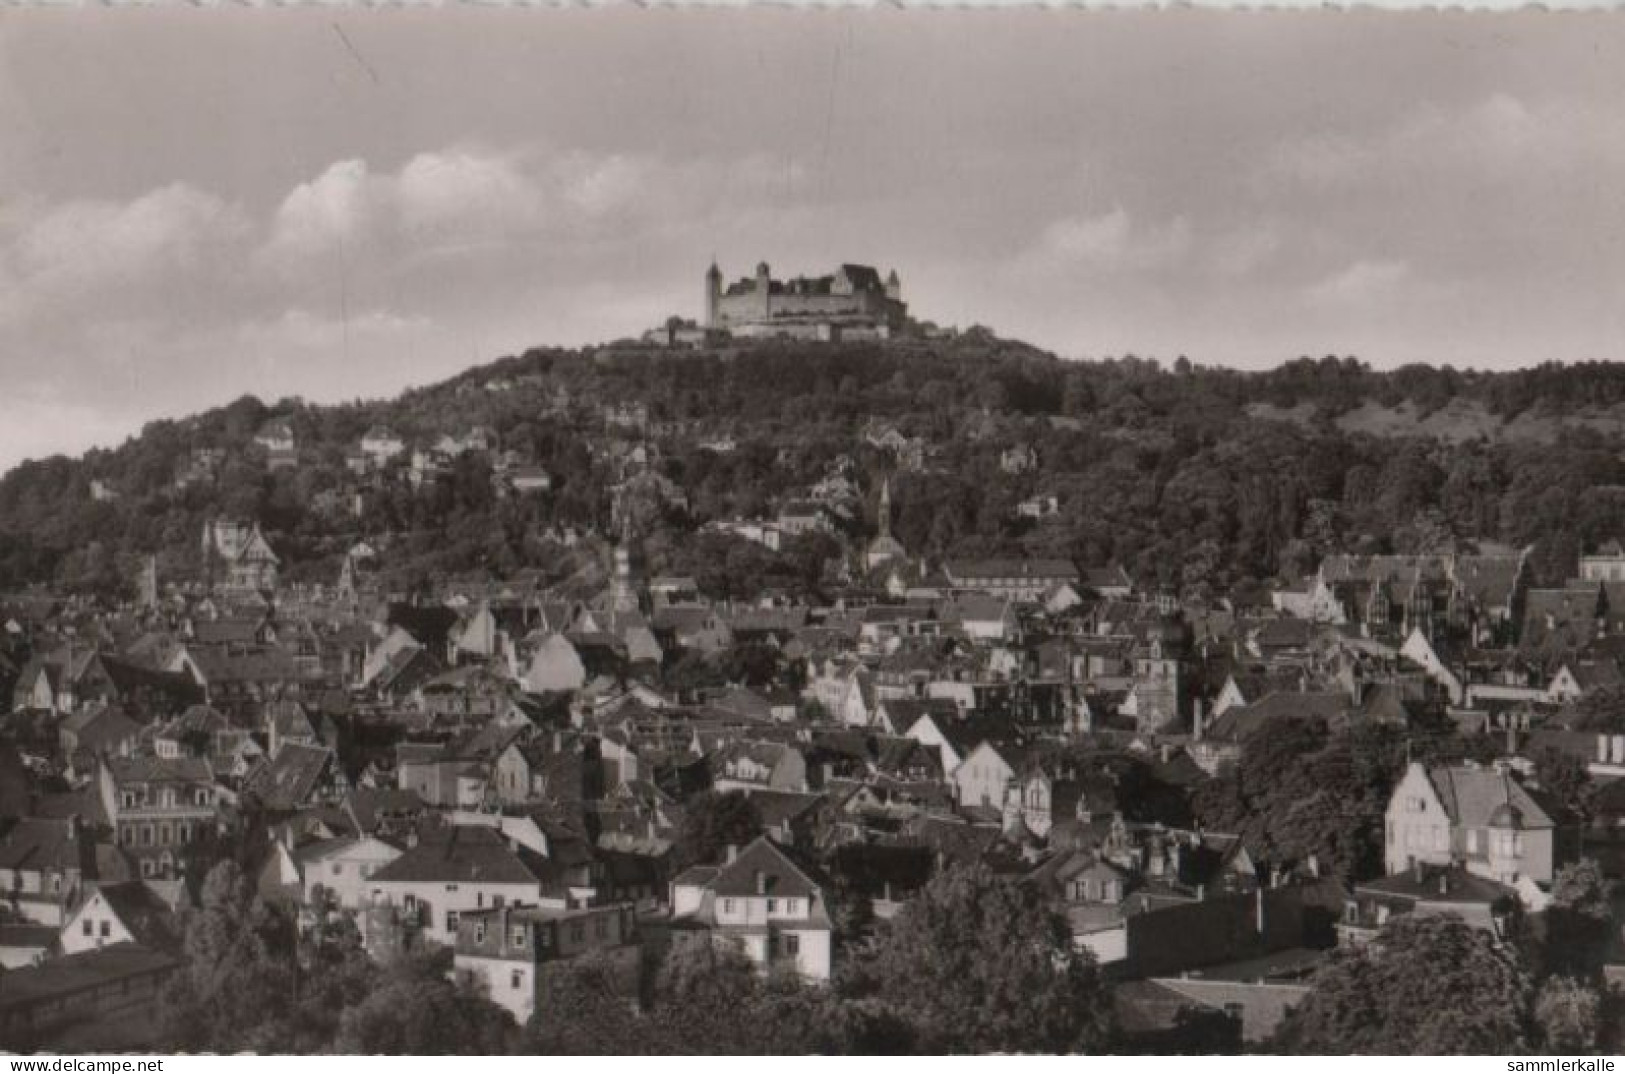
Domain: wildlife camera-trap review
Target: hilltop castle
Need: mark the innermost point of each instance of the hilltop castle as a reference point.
(853, 303)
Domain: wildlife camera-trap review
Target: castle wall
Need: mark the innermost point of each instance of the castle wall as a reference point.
(734, 309)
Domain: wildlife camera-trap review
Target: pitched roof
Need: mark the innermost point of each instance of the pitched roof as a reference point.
(78, 972)
(288, 780)
(763, 869)
(463, 854)
(150, 919)
(1470, 795)
(1240, 721)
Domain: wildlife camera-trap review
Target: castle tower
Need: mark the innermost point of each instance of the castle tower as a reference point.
(763, 292)
(713, 294)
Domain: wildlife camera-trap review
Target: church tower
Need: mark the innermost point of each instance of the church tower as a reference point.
(147, 596)
(713, 295)
(894, 287)
(884, 548)
(623, 590)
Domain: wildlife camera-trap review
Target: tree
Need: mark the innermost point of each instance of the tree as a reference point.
(1425, 985)
(1565, 778)
(415, 1010)
(703, 1002)
(713, 822)
(1578, 921)
(1569, 1015)
(231, 993)
(585, 1009)
(974, 964)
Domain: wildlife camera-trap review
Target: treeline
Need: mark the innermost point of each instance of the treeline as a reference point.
(1167, 471)
(974, 964)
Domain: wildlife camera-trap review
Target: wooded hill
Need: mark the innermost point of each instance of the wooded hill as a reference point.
(1205, 480)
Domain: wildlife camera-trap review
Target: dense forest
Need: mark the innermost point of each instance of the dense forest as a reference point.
(1197, 479)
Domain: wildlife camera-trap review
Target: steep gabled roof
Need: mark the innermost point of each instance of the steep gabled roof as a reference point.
(763, 869)
(1470, 795)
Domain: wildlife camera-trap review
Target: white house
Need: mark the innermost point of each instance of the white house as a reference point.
(762, 903)
(344, 867)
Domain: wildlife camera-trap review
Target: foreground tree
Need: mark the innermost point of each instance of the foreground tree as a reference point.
(1423, 986)
(415, 1010)
(974, 964)
(1577, 921)
(1569, 1015)
(233, 992)
(586, 1009)
(712, 822)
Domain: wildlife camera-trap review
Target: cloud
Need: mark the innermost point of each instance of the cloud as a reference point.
(467, 196)
(1497, 138)
(1112, 240)
(334, 209)
(1362, 283)
(78, 253)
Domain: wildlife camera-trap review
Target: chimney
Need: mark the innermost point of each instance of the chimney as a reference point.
(1618, 749)
(733, 853)
(761, 882)
(1196, 720)
(1444, 883)
(1417, 872)
(1602, 749)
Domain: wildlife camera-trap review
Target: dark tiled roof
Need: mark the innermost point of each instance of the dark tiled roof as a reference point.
(468, 855)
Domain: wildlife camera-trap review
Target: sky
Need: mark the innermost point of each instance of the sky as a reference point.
(341, 202)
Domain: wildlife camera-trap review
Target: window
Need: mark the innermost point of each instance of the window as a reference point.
(517, 979)
(106, 929)
(519, 936)
(451, 920)
(479, 932)
(577, 934)
(88, 926)
(772, 906)
(792, 944)
(727, 906)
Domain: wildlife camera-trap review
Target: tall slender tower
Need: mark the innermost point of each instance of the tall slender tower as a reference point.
(713, 294)
(147, 596)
